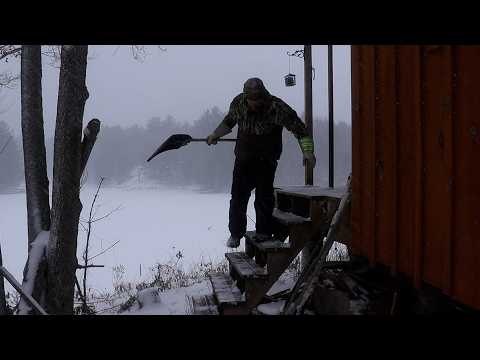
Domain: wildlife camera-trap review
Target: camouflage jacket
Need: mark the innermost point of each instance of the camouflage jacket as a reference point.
(260, 134)
(278, 114)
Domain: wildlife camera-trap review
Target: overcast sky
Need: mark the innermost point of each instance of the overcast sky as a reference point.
(184, 81)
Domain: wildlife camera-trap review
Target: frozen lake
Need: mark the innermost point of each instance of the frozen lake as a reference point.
(152, 225)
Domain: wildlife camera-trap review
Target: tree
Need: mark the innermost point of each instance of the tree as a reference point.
(49, 274)
(66, 205)
(36, 180)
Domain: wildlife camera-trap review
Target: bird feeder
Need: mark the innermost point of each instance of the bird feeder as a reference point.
(290, 80)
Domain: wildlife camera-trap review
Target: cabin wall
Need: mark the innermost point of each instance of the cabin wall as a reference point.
(416, 163)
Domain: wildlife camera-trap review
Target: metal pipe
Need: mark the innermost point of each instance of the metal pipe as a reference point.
(330, 118)
(307, 57)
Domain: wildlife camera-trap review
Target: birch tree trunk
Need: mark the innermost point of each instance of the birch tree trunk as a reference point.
(66, 205)
(36, 180)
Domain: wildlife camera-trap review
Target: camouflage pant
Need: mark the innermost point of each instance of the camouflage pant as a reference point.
(258, 174)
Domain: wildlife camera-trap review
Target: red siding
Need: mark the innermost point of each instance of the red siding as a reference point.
(416, 179)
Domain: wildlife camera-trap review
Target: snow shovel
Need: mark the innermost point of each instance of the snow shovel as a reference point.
(177, 141)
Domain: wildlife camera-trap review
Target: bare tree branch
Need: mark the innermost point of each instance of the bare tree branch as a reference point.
(139, 52)
(108, 309)
(89, 266)
(83, 226)
(89, 232)
(104, 251)
(9, 80)
(107, 215)
(82, 297)
(9, 50)
(53, 52)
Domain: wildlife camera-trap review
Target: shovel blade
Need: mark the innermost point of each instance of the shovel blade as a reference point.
(172, 143)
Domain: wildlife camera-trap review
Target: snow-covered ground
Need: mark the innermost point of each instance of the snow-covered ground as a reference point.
(152, 225)
(173, 302)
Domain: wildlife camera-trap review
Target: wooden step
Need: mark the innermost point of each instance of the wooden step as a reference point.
(224, 290)
(287, 218)
(266, 246)
(311, 192)
(202, 305)
(243, 269)
(244, 266)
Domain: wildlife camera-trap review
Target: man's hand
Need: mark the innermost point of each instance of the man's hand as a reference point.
(309, 157)
(212, 139)
(219, 132)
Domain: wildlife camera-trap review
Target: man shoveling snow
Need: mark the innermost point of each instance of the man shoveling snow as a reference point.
(261, 118)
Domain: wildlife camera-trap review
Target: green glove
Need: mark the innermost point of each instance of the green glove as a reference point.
(306, 144)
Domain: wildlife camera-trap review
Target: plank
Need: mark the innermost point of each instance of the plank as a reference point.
(438, 151)
(310, 192)
(203, 305)
(287, 218)
(409, 154)
(466, 226)
(224, 290)
(357, 143)
(385, 156)
(367, 114)
(244, 266)
(266, 246)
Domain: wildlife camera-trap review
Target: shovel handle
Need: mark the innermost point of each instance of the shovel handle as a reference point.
(205, 140)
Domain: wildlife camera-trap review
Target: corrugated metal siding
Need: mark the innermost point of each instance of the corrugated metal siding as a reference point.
(416, 173)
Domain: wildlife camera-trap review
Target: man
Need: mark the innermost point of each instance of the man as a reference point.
(261, 118)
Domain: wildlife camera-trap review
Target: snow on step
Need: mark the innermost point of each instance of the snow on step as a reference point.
(224, 289)
(287, 218)
(244, 266)
(267, 246)
(273, 308)
(309, 191)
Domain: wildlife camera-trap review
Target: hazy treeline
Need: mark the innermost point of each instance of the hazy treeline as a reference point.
(120, 155)
(11, 158)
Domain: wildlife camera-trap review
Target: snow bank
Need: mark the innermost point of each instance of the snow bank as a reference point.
(273, 308)
(152, 225)
(170, 302)
(148, 297)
